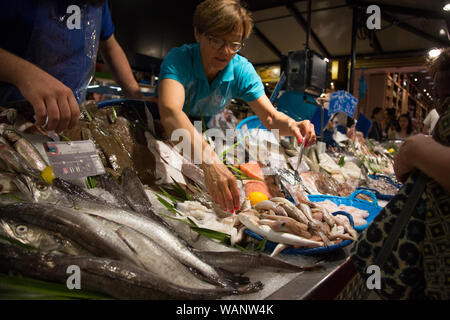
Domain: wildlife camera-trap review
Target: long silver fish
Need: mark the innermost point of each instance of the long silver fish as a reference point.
(15, 161)
(24, 147)
(158, 261)
(156, 231)
(241, 262)
(107, 182)
(83, 229)
(134, 192)
(39, 238)
(7, 184)
(115, 278)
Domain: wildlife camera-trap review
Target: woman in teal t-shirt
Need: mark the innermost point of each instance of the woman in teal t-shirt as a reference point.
(200, 79)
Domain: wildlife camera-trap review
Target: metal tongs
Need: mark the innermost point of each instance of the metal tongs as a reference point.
(299, 160)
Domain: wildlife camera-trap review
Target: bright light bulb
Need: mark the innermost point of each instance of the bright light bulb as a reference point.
(446, 7)
(433, 53)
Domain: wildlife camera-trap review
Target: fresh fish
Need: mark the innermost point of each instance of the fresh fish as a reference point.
(194, 173)
(270, 205)
(287, 224)
(156, 260)
(168, 162)
(39, 238)
(35, 190)
(158, 232)
(108, 183)
(135, 194)
(252, 223)
(24, 147)
(116, 278)
(13, 159)
(81, 228)
(76, 191)
(292, 211)
(241, 262)
(291, 152)
(155, 231)
(7, 184)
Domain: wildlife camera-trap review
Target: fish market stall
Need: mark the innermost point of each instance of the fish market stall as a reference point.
(130, 196)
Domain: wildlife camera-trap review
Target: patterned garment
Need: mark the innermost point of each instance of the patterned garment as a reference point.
(418, 267)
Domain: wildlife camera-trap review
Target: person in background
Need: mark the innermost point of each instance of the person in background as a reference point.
(417, 267)
(391, 121)
(403, 128)
(198, 80)
(376, 130)
(430, 121)
(49, 56)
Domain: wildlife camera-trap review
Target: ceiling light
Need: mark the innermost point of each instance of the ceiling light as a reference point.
(433, 53)
(442, 32)
(424, 90)
(415, 79)
(446, 7)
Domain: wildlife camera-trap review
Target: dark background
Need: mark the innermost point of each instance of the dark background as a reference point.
(148, 29)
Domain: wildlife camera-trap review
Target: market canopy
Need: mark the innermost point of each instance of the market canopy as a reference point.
(408, 28)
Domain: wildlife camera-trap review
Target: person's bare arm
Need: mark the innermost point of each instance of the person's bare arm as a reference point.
(221, 184)
(273, 119)
(117, 61)
(427, 155)
(48, 96)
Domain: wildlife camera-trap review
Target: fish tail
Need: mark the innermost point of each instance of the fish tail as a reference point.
(250, 288)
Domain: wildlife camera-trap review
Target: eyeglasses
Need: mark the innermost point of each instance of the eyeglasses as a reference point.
(218, 43)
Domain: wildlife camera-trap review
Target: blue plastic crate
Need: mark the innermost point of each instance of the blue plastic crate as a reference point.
(252, 122)
(386, 178)
(270, 246)
(371, 207)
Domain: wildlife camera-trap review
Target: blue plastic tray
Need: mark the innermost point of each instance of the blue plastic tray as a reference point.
(372, 207)
(251, 122)
(379, 195)
(270, 246)
(386, 178)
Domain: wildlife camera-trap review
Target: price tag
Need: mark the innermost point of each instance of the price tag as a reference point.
(74, 159)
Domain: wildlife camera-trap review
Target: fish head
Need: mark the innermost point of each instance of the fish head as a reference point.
(37, 190)
(20, 232)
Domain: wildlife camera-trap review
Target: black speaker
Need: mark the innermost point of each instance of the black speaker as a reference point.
(306, 70)
(297, 73)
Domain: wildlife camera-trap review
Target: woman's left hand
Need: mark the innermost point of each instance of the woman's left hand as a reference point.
(404, 161)
(303, 130)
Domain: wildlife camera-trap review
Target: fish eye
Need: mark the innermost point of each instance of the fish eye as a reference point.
(21, 229)
(42, 187)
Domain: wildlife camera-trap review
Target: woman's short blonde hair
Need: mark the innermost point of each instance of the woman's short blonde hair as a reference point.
(221, 17)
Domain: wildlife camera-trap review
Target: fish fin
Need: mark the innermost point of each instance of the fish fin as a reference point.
(280, 247)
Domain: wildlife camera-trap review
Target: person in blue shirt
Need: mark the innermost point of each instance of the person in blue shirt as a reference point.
(48, 51)
(198, 80)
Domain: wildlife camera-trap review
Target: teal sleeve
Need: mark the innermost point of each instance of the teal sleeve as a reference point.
(174, 66)
(250, 84)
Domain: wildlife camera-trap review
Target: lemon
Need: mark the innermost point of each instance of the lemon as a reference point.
(47, 174)
(391, 150)
(256, 197)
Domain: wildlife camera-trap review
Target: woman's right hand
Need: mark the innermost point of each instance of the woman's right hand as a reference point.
(222, 186)
(50, 98)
